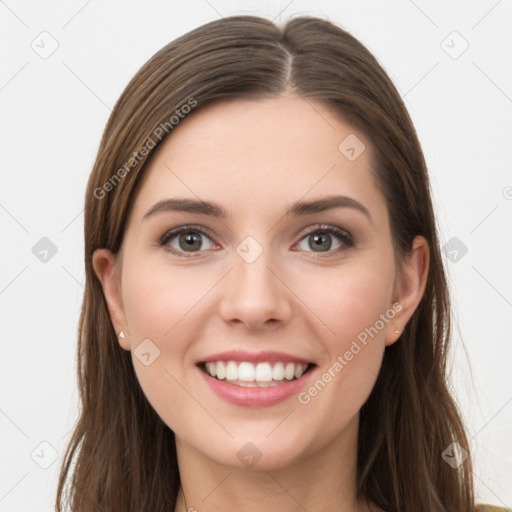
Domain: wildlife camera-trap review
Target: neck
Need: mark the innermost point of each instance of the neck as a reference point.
(322, 481)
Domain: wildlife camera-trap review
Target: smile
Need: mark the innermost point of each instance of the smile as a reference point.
(262, 374)
(255, 379)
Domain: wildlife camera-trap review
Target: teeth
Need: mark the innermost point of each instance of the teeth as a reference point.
(289, 371)
(231, 371)
(246, 372)
(211, 368)
(221, 370)
(263, 372)
(278, 371)
(252, 375)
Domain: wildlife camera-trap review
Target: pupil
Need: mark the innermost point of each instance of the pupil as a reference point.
(192, 241)
(187, 241)
(322, 241)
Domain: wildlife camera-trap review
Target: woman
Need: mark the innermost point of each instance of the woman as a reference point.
(266, 316)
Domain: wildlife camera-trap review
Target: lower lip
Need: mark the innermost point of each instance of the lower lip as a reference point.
(255, 397)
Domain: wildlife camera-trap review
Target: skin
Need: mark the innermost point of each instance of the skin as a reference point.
(255, 158)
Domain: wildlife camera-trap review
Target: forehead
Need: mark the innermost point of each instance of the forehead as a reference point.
(261, 155)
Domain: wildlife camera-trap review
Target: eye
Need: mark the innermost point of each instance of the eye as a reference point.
(320, 240)
(186, 239)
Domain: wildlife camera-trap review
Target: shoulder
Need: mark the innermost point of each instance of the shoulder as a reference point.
(491, 508)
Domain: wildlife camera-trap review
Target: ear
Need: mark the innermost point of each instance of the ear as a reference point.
(410, 283)
(106, 268)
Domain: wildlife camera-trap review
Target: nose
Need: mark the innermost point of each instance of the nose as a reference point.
(255, 294)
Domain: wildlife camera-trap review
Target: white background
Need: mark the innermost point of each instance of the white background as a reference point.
(53, 112)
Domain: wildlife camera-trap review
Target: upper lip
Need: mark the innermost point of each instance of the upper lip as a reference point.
(254, 357)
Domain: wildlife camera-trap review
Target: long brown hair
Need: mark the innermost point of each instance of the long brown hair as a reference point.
(122, 456)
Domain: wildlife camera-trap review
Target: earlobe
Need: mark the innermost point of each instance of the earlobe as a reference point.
(104, 264)
(410, 285)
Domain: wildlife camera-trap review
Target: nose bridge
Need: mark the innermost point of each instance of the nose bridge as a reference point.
(254, 294)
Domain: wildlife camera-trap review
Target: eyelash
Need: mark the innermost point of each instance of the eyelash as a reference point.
(343, 235)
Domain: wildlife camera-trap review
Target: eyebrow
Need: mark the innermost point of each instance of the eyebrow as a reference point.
(295, 210)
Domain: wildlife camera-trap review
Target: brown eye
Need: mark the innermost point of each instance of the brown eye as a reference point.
(190, 241)
(326, 239)
(320, 241)
(186, 241)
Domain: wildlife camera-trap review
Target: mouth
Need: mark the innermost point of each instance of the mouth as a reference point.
(263, 374)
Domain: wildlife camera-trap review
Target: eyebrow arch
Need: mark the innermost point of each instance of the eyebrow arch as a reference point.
(295, 210)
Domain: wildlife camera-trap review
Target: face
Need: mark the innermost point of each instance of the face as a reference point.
(275, 301)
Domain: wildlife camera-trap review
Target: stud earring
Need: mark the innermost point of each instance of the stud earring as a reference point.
(121, 335)
(397, 331)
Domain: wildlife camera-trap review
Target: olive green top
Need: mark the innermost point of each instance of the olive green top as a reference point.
(491, 508)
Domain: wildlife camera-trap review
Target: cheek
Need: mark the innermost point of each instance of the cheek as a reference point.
(356, 305)
(349, 300)
(159, 306)
(159, 299)
(164, 305)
